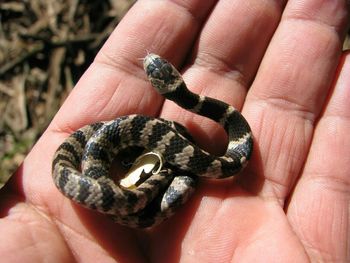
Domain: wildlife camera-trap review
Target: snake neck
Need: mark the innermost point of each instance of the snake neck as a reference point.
(169, 83)
(208, 107)
(235, 125)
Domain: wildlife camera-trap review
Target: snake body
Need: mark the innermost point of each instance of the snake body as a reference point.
(81, 165)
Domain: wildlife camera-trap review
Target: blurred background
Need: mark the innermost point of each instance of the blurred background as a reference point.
(45, 46)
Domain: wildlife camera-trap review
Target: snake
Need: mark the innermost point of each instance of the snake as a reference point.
(81, 166)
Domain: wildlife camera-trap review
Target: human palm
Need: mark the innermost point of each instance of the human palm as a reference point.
(291, 204)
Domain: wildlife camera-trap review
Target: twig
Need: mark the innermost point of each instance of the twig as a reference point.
(13, 63)
(6, 90)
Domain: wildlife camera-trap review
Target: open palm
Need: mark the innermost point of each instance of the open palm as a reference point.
(277, 62)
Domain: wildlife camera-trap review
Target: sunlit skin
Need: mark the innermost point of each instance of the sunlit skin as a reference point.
(282, 65)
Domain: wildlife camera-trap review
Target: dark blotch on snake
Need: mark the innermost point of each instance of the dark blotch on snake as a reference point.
(158, 131)
(64, 178)
(71, 150)
(98, 152)
(107, 197)
(62, 157)
(229, 169)
(199, 165)
(214, 111)
(140, 123)
(188, 100)
(80, 138)
(84, 189)
(241, 126)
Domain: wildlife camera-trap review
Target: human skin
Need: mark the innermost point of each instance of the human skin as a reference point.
(279, 62)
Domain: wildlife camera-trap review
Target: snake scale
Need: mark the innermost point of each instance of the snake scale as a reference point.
(82, 163)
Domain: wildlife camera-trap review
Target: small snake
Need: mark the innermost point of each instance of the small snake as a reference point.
(82, 163)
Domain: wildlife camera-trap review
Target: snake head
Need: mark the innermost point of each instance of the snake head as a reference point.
(162, 75)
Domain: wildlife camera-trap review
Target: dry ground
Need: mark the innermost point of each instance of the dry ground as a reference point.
(45, 46)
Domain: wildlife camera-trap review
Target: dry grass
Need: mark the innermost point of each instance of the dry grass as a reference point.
(45, 46)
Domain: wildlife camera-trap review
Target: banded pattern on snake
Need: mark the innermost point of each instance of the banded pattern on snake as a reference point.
(81, 165)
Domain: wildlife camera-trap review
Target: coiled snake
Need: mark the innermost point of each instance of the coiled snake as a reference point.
(81, 165)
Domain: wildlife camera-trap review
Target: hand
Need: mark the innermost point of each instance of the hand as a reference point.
(287, 74)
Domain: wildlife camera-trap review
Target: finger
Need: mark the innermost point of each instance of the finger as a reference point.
(319, 207)
(227, 55)
(229, 50)
(290, 88)
(115, 83)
